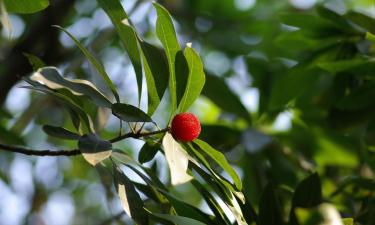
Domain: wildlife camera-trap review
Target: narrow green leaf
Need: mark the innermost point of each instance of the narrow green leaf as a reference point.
(187, 210)
(25, 6)
(167, 35)
(182, 75)
(34, 61)
(180, 220)
(156, 71)
(218, 211)
(220, 159)
(99, 67)
(130, 113)
(50, 77)
(130, 199)
(196, 79)
(148, 152)
(60, 132)
(94, 149)
(269, 207)
(219, 93)
(350, 65)
(127, 35)
(362, 20)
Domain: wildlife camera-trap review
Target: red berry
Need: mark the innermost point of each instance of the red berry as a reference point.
(185, 127)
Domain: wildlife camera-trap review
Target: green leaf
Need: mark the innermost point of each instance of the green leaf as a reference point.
(269, 207)
(130, 113)
(182, 75)
(34, 61)
(60, 132)
(196, 79)
(218, 92)
(148, 152)
(76, 111)
(50, 77)
(127, 35)
(99, 67)
(177, 160)
(94, 149)
(362, 20)
(220, 159)
(308, 194)
(156, 72)
(130, 199)
(167, 35)
(212, 203)
(25, 6)
(334, 18)
(186, 210)
(180, 220)
(356, 65)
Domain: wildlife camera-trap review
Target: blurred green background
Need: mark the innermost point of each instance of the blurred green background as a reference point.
(290, 90)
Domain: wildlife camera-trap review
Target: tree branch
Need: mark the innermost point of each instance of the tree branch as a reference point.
(27, 151)
(74, 152)
(137, 135)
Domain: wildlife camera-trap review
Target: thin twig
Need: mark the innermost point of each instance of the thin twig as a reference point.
(138, 135)
(27, 151)
(74, 152)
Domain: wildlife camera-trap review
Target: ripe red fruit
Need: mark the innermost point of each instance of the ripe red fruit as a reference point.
(185, 127)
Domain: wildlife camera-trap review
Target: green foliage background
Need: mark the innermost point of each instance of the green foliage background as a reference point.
(311, 68)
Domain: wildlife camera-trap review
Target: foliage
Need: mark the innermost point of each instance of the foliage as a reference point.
(316, 65)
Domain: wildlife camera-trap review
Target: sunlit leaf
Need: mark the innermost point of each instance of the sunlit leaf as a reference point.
(167, 35)
(196, 79)
(130, 200)
(94, 149)
(50, 77)
(220, 159)
(156, 72)
(4, 17)
(127, 35)
(177, 160)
